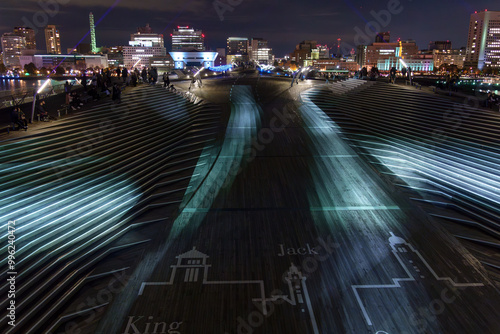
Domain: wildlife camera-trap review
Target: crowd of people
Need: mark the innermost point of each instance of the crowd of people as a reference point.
(363, 74)
(100, 84)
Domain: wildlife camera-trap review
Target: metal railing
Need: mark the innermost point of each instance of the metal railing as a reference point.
(11, 98)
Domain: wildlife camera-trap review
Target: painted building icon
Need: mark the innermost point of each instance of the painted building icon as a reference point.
(191, 264)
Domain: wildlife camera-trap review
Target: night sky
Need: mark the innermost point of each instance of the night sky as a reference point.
(283, 23)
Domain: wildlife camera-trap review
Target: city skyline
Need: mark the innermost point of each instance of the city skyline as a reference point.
(282, 27)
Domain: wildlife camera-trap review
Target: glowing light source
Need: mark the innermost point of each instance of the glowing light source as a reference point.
(43, 86)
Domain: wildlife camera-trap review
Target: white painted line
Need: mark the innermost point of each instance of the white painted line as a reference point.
(309, 307)
(410, 277)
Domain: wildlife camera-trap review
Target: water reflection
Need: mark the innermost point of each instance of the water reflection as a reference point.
(25, 85)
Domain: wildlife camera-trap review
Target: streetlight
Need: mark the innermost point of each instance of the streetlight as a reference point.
(34, 99)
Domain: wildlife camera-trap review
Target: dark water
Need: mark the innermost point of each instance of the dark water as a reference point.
(14, 85)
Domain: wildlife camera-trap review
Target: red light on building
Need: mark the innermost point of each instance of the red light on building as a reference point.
(203, 35)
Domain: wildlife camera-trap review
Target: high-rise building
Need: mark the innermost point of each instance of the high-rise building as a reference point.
(259, 51)
(383, 37)
(324, 51)
(440, 45)
(93, 45)
(52, 40)
(483, 46)
(28, 34)
(12, 47)
(148, 39)
(237, 46)
(185, 38)
(237, 50)
(143, 45)
(303, 51)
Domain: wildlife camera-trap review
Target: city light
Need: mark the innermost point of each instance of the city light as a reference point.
(252, 168)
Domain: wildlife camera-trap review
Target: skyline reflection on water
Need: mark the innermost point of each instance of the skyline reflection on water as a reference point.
(25, 85)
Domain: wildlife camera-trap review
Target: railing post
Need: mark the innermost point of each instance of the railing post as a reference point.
(33, 108)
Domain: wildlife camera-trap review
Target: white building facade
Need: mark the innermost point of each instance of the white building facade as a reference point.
(188, 38)
(143, 46)
(184, 59)
(483, 46)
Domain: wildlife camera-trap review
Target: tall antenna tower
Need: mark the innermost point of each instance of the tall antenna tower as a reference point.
(93, 46)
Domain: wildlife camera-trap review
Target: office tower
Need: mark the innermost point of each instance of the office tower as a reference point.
(303, 51)
(52, 40)
(12, 46)
(185, 38)
(237, 46)
(259, 51)
(143, 45)
(145, 37)
(28, 34)
(483, 46)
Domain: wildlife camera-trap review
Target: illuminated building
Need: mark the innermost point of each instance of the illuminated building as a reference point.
(483, 46)
(137, 56)
(259, 51)
(188, 38)
(450, 57)
(114, 53)
(237, 50)
(324, 51)
(143, 45)
(12, 46)
(73, 61)
(335, 64)
(28, 34)
(52, 40)
(303, 51)
(237, 45)
(148, 38)
(163, 63)
(417, 64)
(192, 58)
(93, 46)
(386, 55)
(319, 52)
